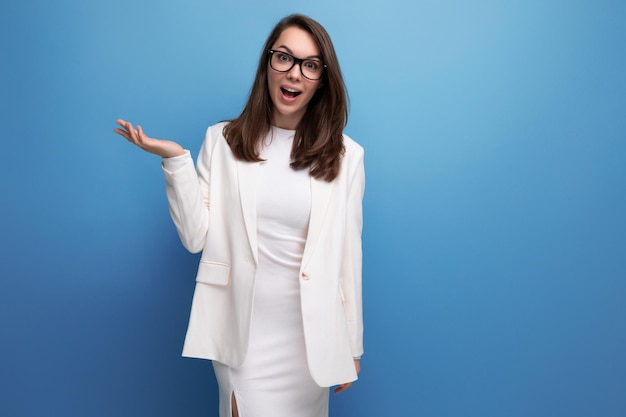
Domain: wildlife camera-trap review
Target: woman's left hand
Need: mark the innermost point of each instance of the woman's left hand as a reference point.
(343, 387)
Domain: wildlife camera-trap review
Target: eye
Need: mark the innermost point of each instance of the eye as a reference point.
(282, 57)
(312, 65)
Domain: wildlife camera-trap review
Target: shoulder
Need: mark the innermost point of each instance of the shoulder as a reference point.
(215, 134)
(217, 129)
(353, 158)
(214, 142)
(353, 149)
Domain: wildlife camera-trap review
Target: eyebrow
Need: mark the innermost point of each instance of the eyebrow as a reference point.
(291, 52)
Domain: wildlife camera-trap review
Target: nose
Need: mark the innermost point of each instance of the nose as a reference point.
(295, 72)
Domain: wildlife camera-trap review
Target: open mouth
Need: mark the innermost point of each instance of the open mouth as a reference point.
(287, 92)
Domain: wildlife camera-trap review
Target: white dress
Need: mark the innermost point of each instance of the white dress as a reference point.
(274, 380)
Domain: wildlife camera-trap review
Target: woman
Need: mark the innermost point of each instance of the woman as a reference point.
(275, 205)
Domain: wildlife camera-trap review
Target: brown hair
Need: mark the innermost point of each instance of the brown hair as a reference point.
(318, 142)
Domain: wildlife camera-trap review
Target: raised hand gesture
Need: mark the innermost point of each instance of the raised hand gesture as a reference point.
(162, 148)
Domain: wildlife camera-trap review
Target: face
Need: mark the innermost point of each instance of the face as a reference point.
(290, 91)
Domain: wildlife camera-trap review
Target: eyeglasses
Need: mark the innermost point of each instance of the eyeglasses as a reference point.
(280, 61)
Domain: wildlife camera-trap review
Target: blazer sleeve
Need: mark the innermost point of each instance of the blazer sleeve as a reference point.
(351, 269)
(187, 191)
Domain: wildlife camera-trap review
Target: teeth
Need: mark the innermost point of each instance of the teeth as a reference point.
(290, 90)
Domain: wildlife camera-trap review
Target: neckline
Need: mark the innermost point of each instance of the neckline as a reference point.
(283, 132)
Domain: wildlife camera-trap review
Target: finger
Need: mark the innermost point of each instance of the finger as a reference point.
(140, 132)
(132, 133)
(342, 387)
(127, 131)
(128, 126)
(125, 125)
(122, 132)
(142, 138)
(119, 131)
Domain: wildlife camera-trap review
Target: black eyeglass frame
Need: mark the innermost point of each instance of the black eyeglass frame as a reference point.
(298, 61)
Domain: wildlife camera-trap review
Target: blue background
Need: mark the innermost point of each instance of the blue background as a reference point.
(495, 236)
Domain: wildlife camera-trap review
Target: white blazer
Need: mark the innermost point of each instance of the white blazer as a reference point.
(214, 210)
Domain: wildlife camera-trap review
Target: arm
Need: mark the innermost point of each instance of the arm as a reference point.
(343, 387)
(187, 190)
(351, 269)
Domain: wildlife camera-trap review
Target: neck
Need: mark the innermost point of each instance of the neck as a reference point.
(287, 122)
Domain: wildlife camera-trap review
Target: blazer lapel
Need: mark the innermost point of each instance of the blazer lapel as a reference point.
(248, 173)
(321, 192)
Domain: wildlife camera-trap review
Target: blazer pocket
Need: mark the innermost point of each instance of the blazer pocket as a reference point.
(214, 273)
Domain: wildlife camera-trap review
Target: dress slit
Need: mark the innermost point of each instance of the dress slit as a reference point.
(234, 409)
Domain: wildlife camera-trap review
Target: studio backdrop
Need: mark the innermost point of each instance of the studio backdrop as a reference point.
(495, 227)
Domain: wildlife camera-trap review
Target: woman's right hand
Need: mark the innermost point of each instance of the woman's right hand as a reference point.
(162, 148)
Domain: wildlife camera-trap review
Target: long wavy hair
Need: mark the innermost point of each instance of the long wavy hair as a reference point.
(318, 142)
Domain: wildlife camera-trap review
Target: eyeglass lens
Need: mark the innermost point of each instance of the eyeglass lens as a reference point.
(283, 62)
